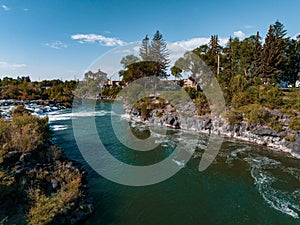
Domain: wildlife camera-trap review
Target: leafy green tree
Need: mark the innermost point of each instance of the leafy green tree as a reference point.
(129, 59)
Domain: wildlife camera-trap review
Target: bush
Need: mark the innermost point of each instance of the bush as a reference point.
(241, 99)
(255, 114)
(202, 104)
(258, 116)
(234, 117)
(39, 124)
(44, 208)
(272, 97)
(275, 124)
(238, 84)
(27, 138)
(192, 92)
(295, 123)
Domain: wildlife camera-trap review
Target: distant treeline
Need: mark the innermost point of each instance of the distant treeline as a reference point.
(23, 88)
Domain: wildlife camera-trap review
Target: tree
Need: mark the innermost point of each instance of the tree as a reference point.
(214, 51)
(138, 70)
(154, 62)
(271, 57)
(159, 53)
(256, 62)
(145, 49)
(214, 46)
(129, 59)
(176, 72)
(292, 66)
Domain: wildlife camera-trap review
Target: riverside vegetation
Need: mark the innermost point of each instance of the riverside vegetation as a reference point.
(249, 73)
(38, 184)
(22, 88)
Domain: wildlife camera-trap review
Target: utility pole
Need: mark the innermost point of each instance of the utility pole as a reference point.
(218, 68)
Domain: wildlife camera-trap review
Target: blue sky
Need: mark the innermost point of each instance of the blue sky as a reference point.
(49, 39)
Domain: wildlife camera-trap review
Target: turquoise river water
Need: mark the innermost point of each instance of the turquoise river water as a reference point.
(246, 184)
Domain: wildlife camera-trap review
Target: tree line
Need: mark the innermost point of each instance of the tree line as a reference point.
(249, 71)
(23, 88)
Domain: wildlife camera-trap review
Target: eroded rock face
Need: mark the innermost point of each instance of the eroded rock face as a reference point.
(258, 134)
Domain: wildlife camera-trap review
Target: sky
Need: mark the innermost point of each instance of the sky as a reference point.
(61, 39)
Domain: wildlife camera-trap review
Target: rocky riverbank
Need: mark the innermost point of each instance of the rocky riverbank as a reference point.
(184, 117)
(57, 178)
(35, 175)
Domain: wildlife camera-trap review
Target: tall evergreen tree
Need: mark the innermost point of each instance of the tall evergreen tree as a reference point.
(214, 49)
(145, 49)
(271, 57)
(256, 62)
(159, 53)
(228, 68)
(292, 66)
(214, 46)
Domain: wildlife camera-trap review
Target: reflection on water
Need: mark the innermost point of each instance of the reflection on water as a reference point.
(246, 184)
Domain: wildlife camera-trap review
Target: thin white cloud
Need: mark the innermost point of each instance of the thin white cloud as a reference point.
(102, 40)
(239, 34)
(11, 66)
(56, 45)
(25, 9)
(5, 7)
(193, 43)
(248, 27)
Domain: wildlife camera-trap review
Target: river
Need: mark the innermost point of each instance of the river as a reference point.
(246, 184)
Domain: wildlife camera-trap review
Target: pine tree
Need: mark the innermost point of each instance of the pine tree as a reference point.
(159, 53)
(256, 62)
(229, 62)
(270, 58)
(214, 49)
(214, 46)
(145, 49)
(292, 66)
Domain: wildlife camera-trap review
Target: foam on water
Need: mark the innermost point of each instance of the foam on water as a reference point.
(58, 116)
(58, 127)
(263, 179)
(179, 163)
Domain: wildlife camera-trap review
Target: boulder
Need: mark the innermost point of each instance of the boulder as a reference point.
(262, 131)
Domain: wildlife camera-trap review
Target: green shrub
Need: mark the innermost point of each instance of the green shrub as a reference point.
(202, 104)
(273, 97)
(238, 84)
(44, 208)
(241, 99)
(255, 114)
(234, 117)
(192, 92)
(295, 123)
(275, 124)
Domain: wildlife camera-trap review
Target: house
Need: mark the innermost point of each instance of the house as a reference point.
(99, 75)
